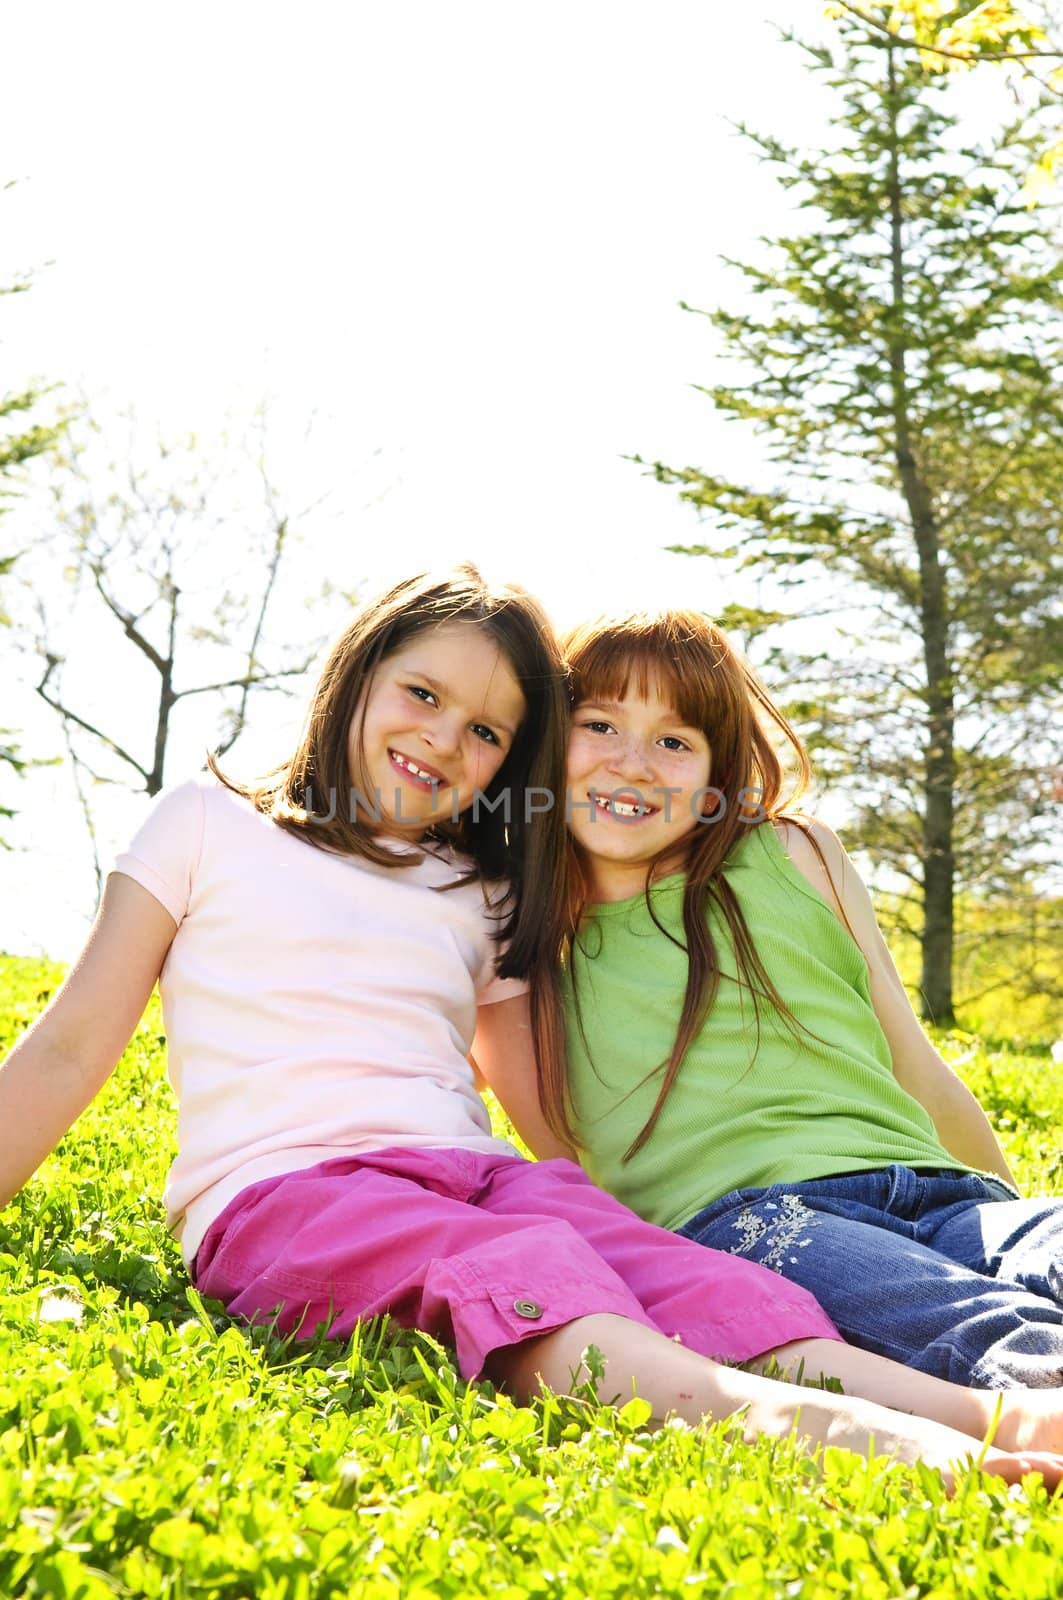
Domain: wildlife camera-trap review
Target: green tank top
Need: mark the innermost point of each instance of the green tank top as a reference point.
(741, 1114)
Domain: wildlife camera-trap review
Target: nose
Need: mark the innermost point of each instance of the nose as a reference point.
(629, 759)
(443, 734)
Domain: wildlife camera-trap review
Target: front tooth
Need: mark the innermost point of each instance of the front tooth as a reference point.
(620, 808)
(417, 772)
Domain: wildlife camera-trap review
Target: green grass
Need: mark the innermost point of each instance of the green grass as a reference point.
(149, 1448)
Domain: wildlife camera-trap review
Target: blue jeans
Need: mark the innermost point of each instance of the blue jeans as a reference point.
(945, 1271)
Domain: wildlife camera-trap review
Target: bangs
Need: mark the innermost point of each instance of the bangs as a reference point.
(676, 656)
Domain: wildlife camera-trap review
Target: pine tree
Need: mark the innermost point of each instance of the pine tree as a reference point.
(903, 365)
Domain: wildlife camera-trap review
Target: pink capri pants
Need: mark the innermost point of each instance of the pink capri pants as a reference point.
(482, 1251)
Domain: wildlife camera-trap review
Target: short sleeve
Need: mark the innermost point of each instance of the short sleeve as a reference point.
(164, 852)
(497, 989)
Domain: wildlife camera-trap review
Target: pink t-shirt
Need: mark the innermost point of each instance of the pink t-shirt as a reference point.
(315, 1005)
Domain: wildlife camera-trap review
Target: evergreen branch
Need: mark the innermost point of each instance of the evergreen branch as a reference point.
(980, 490)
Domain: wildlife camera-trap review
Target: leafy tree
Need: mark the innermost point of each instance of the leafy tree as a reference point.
(953, 38)
(20, 440)
(902, 361)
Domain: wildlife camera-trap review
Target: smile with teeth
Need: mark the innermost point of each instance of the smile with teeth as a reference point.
(424, 777)
(632, 810)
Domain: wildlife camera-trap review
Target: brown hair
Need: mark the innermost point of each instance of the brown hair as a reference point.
(502, 842)
(713, 688)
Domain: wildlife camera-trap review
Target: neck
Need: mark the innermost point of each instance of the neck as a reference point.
(608, 881)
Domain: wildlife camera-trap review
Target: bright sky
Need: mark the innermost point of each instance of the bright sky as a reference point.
(459, 234)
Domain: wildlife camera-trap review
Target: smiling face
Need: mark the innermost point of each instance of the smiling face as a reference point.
(438, 720)
(636, 776)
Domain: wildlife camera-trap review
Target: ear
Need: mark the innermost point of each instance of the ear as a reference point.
(712, 801)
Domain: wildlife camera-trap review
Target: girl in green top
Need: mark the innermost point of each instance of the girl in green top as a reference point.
(727, 1045)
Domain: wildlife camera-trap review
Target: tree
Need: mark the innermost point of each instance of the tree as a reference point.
(953, 38)
(903, 365)
(20, 441)
(164, 557)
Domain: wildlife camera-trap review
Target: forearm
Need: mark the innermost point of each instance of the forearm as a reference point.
(504, 1054)
(964, 1129)
(959, 1120)
(43, 1090)
(60, 1063)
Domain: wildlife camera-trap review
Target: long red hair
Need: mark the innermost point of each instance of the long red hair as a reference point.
(713, 688)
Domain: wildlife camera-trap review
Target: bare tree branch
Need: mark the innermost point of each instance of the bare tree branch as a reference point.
(264, 680)
(127, 619)
(1008, 982)
(139, 537)
(280, 530)
(71, 716)
(86, 809)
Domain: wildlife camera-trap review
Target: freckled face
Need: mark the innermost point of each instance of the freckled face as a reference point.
(439, 719)
(635, 772)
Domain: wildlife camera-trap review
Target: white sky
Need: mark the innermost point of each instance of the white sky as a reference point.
(457, 233)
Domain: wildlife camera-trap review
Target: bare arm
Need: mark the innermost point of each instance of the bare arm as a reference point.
(505, 1057)
(962, 1125)
(63, 1060)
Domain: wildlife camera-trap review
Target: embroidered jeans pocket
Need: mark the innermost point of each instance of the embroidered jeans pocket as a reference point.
(772, 1229)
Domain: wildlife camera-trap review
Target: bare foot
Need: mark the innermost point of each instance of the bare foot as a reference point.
(1014, 1467)
(1030, 1419)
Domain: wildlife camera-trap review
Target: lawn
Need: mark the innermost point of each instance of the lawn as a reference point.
(147, 1447)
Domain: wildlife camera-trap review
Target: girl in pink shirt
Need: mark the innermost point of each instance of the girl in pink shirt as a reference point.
(324, 940)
